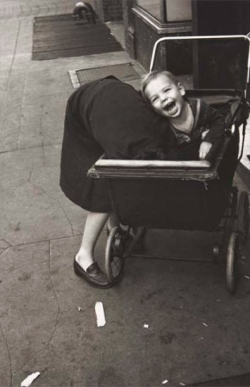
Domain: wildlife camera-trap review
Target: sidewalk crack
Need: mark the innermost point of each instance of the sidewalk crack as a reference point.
(4, 246)
(21, 113)
(22, 120)
(41, 131)
(56, 319)
(53, 198)
(10, 69)
(9, 355)
(4, 250)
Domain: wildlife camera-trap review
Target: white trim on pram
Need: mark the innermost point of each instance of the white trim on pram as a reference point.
(195, 164)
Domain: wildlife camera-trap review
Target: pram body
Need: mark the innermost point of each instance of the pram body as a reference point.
(182, 195)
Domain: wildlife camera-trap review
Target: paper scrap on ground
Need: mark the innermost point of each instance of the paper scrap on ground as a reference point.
(100, 316)
(145, 326)
(27, 382)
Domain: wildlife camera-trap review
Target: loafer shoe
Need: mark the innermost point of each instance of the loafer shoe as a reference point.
(93, 275)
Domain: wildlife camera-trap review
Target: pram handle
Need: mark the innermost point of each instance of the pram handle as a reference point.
(203, 37)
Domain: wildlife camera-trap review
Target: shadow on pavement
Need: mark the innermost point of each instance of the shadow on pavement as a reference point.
(233, 381)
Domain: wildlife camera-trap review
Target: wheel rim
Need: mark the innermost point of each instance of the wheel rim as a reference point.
(232, 273)
(114, 260)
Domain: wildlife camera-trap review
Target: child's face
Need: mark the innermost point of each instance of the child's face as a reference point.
(165, 96)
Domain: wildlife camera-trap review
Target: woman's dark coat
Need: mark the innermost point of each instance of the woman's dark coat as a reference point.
(104, 116)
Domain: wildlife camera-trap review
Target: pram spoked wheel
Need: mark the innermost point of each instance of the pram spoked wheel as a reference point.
(114, 260)
(233, 257)
(243, 216)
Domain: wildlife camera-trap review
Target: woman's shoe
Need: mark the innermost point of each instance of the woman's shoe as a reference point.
(93, 275)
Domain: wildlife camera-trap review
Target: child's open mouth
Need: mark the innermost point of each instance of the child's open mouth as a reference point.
(170, 108)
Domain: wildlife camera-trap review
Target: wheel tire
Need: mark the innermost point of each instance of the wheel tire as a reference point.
(243, 216)
(232, 270)
(114, 260)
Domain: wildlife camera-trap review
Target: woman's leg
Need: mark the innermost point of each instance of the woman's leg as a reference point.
(94, 224)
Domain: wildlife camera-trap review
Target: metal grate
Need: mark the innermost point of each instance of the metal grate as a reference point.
(60, 36)
(125, 72)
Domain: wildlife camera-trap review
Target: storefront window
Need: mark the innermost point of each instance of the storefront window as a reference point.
(167, 11)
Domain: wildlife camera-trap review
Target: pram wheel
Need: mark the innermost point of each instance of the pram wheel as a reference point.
(114, 260)
(243, 216)
(233, 255)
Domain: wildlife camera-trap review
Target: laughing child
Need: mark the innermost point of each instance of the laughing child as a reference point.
(194, 125)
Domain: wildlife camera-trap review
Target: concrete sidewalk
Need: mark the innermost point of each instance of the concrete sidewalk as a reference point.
(196, 332)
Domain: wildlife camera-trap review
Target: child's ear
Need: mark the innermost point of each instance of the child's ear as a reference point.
(181, 89)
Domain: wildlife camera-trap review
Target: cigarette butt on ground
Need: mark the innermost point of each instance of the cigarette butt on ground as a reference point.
(145, 326)
(100, 316)
(27, 382)
(165, 381)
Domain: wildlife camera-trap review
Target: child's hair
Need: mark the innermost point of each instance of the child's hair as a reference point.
(146, 79)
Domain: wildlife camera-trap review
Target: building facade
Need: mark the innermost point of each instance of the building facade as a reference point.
(145, 21)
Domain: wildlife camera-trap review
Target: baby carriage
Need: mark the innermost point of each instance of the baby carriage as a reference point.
(191, 195)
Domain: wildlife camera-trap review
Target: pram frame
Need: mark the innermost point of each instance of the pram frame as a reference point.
(203, 37)
(234, 224)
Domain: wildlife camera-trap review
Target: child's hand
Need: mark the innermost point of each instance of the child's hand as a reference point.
(204, 149)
